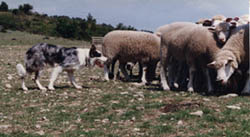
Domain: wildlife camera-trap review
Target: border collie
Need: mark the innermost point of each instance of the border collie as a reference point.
(61, 59)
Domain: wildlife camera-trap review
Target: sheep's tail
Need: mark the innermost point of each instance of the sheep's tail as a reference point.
(21, 71)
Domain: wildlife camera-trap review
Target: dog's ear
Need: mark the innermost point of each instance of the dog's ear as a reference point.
(93, 47)
(92, 50)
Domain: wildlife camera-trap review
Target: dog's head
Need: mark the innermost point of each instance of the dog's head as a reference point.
(96, 57)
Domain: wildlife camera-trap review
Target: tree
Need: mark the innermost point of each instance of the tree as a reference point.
(66, 27)
(26, 8)
(4, 6)
(15, 11)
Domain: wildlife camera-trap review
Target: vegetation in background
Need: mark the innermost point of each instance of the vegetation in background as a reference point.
(24, 19)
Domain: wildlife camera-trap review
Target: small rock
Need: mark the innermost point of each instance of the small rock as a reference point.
(10, 77)
(180, 123)
(4, 126)
(44, 119)
(105, 120)
(137, 84)
(124, 93)
(233, 107)
(133, 119)
(8, 86)
(140, 99)
(38, 126)
(40, 132)
(206, 99)
(229, 95)
(136, 129)
(197, 113)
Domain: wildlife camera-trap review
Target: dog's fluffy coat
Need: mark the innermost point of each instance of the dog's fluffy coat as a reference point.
(60, 58)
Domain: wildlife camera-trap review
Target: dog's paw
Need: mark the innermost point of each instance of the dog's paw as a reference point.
(25, 88)
(78, 87)
(51, 88)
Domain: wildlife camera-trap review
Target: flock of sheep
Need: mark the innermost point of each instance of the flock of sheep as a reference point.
(217, 49)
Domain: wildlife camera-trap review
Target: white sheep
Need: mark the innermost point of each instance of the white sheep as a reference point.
(131, 46)
(188, 42)
(234, 55)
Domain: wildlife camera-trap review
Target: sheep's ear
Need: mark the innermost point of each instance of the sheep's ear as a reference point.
(229, 19)
(207, 23)
(212, 64)
(236, 18)
(211, 29)
(158, 34)
(233, 63)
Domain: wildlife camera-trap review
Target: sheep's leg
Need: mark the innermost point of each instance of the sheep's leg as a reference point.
(143, 79)
(106, 71)
(53, 76)
(118, 73)
(191, 79)
(111, 73)
(246, 89)
(164, 62)
(72, 79)
(178, 75)
(209, 84)
(123, 70)
(170, 73)
(140, 70)
(37, 75)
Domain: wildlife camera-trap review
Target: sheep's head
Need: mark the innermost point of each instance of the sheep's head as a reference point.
(223, 29)
(225, 67)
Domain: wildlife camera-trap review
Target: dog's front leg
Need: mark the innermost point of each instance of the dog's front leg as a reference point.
(53, 76)
(72, 79)
(37, 75)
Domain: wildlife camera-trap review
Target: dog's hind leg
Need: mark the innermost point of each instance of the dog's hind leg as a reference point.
(53, 76)
(22, 73)
(37, 75)
(72, 79)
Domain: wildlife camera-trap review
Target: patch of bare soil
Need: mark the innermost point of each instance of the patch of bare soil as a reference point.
(174, 106)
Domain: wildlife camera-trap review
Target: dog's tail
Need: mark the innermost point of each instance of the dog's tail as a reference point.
(21, 71)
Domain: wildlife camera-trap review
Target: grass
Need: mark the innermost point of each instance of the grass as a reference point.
(110, 109)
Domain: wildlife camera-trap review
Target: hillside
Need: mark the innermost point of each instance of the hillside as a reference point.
(18, 38)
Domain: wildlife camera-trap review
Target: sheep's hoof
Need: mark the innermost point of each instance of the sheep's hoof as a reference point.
(166, 88)
(111, 76)
(245, 93)
(43, 89)
(106, 79)
(141, 84)
(176, 85)
(191, 90)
